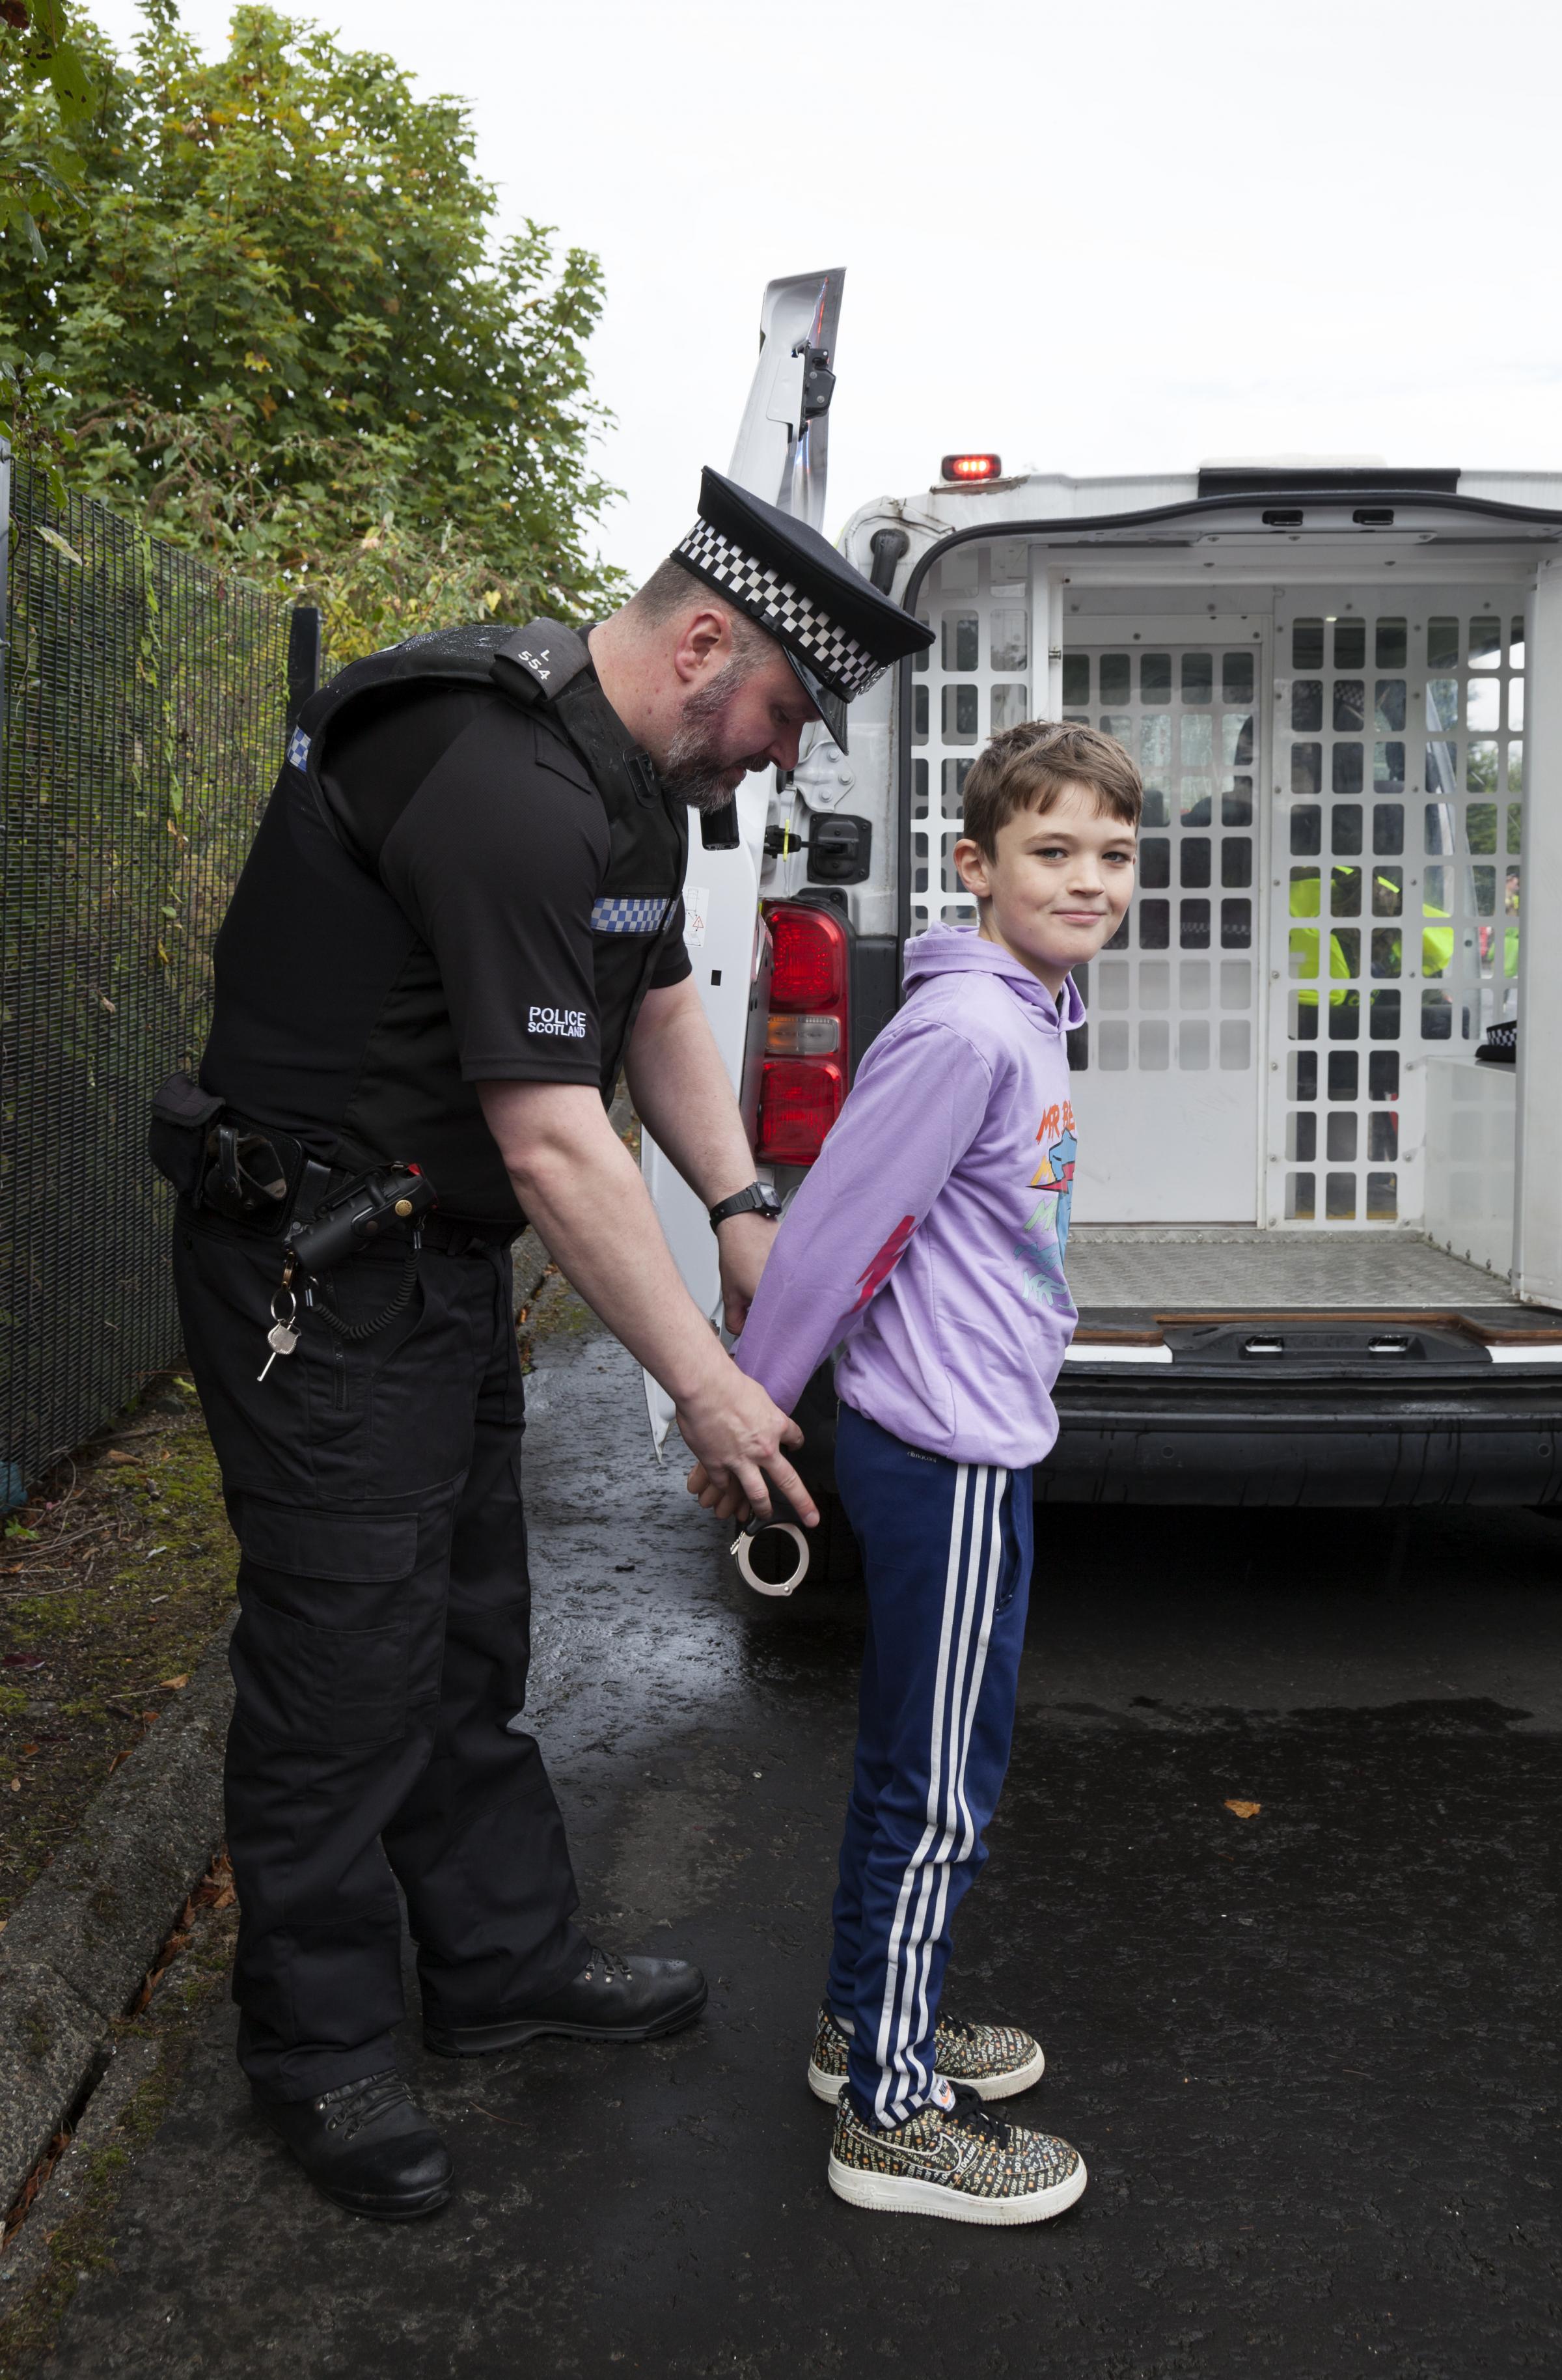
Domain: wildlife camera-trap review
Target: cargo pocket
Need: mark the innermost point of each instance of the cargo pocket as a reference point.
(321, 1652)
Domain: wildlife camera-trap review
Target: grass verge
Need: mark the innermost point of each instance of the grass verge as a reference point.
(114, 1578)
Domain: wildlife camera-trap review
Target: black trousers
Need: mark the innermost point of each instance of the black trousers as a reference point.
(379, 1659)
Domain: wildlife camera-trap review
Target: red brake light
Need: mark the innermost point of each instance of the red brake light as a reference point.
(799, 1099)
(807, 1031)
(970, 467)
(810, 958)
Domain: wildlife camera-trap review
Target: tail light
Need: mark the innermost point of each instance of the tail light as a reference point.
(799, 1099)
(802, 1037)
(809, 968)
(807, 1040)
(963, 469)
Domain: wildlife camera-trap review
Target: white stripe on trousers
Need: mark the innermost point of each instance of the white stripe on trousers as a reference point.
(965, 1628)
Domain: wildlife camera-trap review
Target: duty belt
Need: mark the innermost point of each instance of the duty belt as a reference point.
(262, 1179)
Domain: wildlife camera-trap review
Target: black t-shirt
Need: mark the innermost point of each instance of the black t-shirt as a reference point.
(435, 931)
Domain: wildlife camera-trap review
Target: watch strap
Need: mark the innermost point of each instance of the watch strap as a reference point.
(755, 1200)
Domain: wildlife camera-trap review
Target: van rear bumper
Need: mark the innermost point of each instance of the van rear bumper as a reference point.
(1163, 1440)
(1483, 1434)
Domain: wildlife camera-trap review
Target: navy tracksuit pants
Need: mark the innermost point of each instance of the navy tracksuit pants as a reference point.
(947, 1557)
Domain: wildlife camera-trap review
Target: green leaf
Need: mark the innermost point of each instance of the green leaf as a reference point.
(61, 545)
(71, 83)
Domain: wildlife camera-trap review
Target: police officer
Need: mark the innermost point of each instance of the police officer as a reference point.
(461, 914)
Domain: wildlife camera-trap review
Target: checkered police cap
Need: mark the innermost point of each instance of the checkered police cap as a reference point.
(791, 582)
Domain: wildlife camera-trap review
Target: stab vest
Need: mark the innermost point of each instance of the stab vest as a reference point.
(546, 669)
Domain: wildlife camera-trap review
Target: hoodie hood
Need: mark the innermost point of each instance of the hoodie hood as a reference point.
(960, 950)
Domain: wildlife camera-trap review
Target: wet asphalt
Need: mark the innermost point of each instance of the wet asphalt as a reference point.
(1310, 2056)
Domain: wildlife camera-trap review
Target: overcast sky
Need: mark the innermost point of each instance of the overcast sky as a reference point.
(1096, 238)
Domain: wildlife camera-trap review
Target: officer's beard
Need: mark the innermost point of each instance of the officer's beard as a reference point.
(697, 767)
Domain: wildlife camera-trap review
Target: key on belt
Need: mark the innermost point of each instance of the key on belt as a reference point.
(283, 1336)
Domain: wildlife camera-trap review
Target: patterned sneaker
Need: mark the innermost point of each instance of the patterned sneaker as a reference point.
(956, 2161)
(996, 2060)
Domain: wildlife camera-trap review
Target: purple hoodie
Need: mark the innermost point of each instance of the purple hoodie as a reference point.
(928, 1241)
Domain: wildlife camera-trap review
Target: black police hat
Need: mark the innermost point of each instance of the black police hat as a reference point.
(838, 632)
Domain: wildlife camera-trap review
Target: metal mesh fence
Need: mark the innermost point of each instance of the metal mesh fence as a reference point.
(144, 703)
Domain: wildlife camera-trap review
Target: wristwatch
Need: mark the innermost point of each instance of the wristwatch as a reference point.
(757, 1199)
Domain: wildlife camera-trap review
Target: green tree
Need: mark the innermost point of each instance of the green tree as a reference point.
(38, 166)
(279, 327)
(37, 50)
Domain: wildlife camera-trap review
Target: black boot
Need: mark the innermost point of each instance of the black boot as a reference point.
(367, 2145)
(611, 2000)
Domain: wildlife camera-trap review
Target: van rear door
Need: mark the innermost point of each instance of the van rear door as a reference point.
(781, 454)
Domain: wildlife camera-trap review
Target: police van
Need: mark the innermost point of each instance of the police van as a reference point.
(1316, 1228)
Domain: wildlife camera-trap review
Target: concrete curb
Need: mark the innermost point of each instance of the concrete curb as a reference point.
(24, 2259)
(79, 1944)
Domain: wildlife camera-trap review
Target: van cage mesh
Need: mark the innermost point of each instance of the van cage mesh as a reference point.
(144, 706)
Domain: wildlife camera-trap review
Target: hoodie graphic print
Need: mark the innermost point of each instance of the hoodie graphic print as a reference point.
(927, 1244)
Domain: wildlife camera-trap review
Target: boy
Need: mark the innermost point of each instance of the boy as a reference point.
(928, 1239)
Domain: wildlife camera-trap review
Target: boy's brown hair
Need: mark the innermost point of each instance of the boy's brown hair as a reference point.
(1027, 766)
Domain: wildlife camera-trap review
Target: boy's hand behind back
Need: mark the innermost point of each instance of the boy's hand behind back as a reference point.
(726, 1503)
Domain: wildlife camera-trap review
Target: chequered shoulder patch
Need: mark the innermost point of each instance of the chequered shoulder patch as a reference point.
(624, 915)
(298, 748)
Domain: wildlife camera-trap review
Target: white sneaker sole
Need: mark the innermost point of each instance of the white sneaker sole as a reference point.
(895, 2195)
(828, 2087)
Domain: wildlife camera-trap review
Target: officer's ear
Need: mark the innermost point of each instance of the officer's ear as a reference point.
(704, 646)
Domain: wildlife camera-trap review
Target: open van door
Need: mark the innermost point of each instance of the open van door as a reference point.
(781, 454)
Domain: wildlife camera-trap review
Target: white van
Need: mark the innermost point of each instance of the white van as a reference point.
(1317, 1240)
